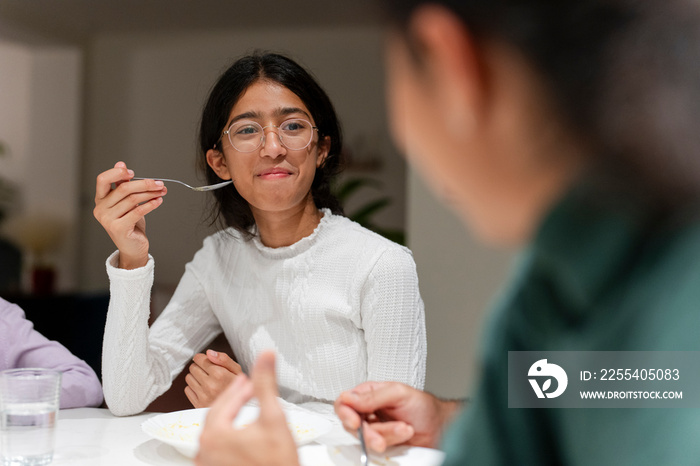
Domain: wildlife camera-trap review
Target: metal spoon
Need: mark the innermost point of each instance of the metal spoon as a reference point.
(364, 457)
(211, 187)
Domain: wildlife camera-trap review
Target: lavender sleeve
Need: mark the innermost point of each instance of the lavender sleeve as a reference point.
(22, 346)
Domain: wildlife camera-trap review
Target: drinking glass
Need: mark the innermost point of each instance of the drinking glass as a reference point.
(29, 402)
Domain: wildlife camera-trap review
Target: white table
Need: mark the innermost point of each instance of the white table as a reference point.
(92, 436)
(95, 437)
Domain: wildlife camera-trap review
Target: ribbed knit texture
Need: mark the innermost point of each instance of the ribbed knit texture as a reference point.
(339, 307)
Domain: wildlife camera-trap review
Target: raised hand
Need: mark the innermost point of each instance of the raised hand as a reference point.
(209, 376)
(266, 441)
(121, 211)
(395, 414)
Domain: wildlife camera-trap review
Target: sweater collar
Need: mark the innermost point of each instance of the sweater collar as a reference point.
(298, 247)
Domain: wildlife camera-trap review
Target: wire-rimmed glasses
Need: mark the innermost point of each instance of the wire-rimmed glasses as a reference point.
(247, 135)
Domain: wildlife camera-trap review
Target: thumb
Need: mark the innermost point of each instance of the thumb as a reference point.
(224, 360)
(265, 383)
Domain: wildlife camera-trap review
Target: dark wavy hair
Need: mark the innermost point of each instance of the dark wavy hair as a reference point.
(229, 207)
(624, 75)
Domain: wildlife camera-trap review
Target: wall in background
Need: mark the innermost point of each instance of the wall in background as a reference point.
(459, 279)
(41, 102)
(15, 88)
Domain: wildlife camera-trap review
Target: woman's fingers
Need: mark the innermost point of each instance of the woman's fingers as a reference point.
(118, 176)
(196, 372)
(195, 390)
(137, 198)
(124, 229)
(135, 191)
(141, 203)
(208, 379)
(192, 397)
(103, 186)
(122, 209)
(200, 361)
(224, 360)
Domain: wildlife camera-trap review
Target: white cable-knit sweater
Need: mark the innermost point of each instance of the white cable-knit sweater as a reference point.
(339, 307)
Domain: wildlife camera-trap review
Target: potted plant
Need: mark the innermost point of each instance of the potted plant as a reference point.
(364, 214)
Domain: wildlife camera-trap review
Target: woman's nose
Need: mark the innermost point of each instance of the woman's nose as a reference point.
(272, 145)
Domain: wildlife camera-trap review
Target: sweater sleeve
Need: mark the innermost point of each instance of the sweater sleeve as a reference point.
(139, 363)
(22, 346)
(393, 320)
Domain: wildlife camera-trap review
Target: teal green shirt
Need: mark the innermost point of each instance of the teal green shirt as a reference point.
(598, 277)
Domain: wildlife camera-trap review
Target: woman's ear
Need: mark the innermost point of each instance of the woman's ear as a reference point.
(217, 162)
(324, 146)
(453, 64)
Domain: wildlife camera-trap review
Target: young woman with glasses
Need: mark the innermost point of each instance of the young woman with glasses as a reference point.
(338, 303)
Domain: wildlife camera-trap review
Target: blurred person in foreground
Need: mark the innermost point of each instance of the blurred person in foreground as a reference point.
(569, 129)
(23, 347)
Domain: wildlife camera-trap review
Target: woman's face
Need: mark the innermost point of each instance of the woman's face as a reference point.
(272, 178)
(423, 134)
(478, 126)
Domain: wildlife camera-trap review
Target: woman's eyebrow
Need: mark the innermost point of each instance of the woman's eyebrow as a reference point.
(244, 116)
(284, 111)
(280, 112)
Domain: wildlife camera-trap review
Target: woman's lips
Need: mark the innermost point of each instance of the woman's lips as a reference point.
(274, 173)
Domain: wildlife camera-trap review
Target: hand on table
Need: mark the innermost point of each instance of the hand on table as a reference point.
(395, 414)
(267, 441)
(209, 375)
(121, 211)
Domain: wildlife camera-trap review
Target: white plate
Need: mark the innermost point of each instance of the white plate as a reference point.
(349, 455)
(181, 429)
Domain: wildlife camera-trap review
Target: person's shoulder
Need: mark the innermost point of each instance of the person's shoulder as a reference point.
(661, 293)
(11, 316)
(352, 233)
(673, 261)
(356, 244)
(344, 226)
(7, 308)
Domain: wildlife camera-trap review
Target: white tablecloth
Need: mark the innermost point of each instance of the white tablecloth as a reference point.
(94, 437)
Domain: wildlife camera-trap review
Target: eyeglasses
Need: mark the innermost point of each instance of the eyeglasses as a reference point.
(247, 136)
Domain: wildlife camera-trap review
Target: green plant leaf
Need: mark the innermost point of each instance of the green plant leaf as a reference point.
(363, 214)
(348, 188)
